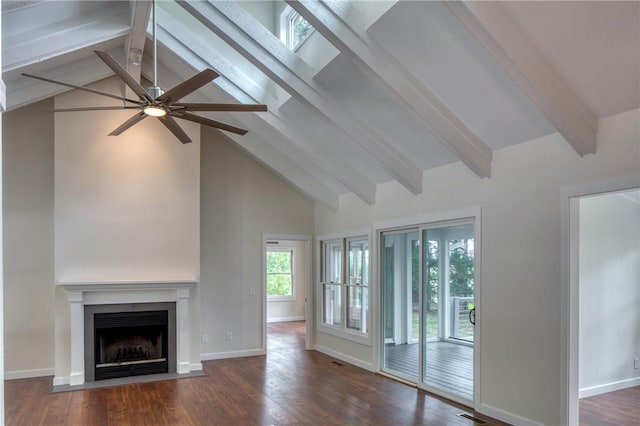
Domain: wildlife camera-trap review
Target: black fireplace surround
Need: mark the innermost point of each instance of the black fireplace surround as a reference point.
(129, 340)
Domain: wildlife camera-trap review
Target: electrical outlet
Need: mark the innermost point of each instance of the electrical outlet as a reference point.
(252, 291)
(228, 336)
(204, 339)
(636, 363)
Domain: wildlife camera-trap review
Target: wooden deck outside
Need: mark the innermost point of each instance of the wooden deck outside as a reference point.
(449, 366)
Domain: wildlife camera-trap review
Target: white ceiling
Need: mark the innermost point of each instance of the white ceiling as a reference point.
(381, 91)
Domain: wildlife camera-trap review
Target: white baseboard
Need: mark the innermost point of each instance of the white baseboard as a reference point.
(195, 366)
(505, 416)
(346, 358)
(232, 354)
(60, 381)
(27, 374)
(609, 387)
(286, 319)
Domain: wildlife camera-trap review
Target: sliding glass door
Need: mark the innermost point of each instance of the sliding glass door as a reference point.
(428, 304)
(448, 309)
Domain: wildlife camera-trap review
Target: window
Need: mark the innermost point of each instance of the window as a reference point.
(280, 273)
(344, 278)
(294, 29)
(358, 285)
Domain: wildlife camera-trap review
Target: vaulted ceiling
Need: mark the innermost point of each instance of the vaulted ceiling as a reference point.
(380, 91)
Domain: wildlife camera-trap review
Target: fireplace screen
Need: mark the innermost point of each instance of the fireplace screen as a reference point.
(130, 344)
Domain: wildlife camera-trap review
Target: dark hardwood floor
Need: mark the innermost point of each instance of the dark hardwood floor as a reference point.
(288, 386)
(620, 408)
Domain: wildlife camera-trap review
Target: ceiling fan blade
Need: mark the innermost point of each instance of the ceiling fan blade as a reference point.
(173, 126)
(183, 89)
(129, 123)
(104, 108)
(86, 89)
(123, 74)
(220, 107)
(209, 122)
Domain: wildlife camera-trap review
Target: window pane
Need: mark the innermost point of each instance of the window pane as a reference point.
(358, 262)
(357, 308)
(332, 259)
(300, 29)
(279, 262)
(331, 300)
(279, 285)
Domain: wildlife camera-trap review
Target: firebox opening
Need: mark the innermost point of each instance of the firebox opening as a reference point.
(130, 344)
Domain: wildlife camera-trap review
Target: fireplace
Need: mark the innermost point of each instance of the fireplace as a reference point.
(88, 298)
(129, 340)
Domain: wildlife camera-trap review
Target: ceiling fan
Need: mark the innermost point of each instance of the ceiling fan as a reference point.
(154, 102)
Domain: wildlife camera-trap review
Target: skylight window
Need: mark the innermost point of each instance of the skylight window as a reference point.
(294, 29)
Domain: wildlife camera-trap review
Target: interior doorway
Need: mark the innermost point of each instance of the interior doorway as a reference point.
(286, 282)
(600, 293)
(429, 283)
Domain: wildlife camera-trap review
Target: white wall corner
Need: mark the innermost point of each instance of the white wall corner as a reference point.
(60, 380)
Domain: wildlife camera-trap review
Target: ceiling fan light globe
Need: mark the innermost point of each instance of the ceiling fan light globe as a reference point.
(155, 111)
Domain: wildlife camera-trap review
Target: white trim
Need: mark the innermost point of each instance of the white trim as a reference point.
(195, 366)
(569, 321)
(346, 358)
(286, 319)
(345, 333)
(609, 387)
(416, 221)
(28, 374)
(505, 416)
(61, 380)
(232, 354)
(308, 240)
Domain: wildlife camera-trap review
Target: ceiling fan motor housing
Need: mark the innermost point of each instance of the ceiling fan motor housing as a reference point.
(154, 91)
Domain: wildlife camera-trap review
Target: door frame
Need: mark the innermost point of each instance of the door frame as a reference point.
(474, 215)
(569, 293)
(307, 238)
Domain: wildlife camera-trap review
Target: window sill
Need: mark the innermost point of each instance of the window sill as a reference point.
(281, 298)
(354, 336)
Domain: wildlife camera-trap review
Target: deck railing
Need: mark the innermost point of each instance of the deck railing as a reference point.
(461, 327)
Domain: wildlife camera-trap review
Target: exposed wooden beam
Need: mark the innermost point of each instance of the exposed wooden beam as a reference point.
(341, 26)
(24, 49)
(302, 173)
(248, 36)
(176, 36)
(24, 90)
(500, 35)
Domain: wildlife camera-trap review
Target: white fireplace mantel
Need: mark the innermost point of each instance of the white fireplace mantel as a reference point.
(81, 293)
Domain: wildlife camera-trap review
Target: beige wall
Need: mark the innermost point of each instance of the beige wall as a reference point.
(240, 201)
(27, 152)
(126, 207)
(520, 313)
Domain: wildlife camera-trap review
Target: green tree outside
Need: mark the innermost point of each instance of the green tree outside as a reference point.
(279, 273)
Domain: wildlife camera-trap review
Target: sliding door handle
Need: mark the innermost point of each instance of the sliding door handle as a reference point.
(472, 316)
